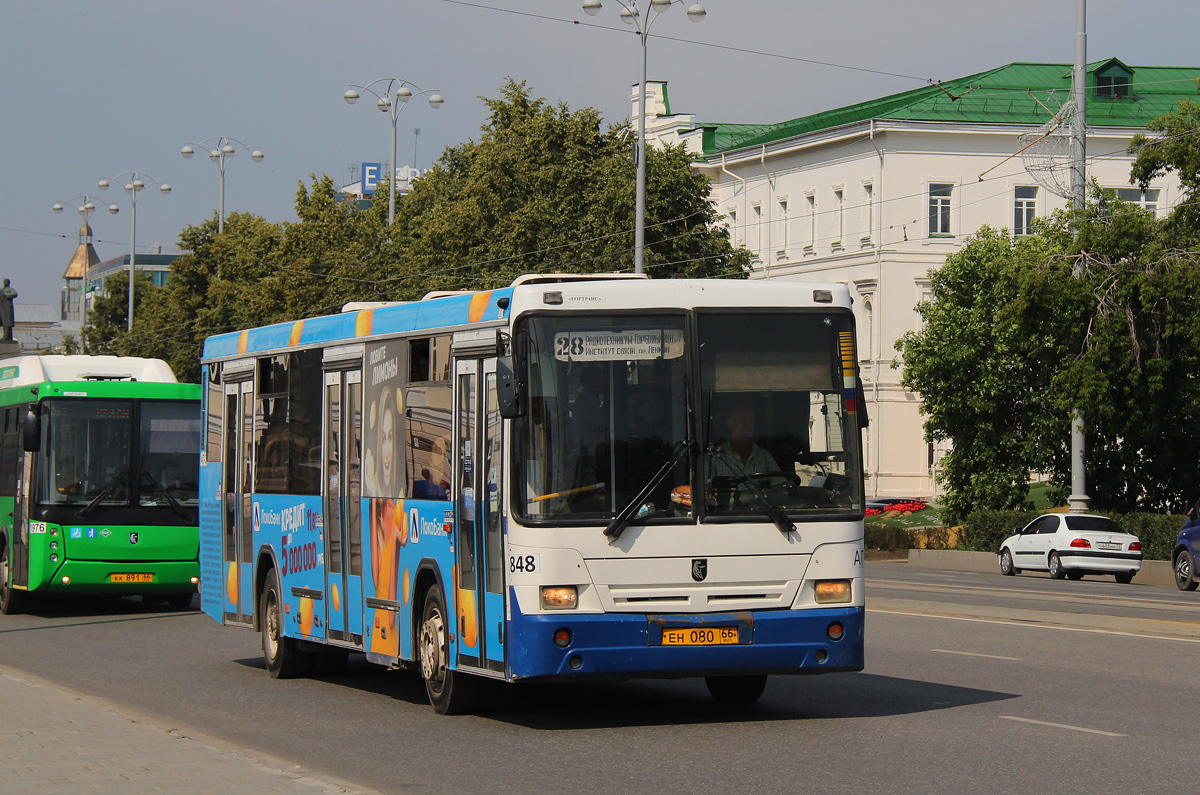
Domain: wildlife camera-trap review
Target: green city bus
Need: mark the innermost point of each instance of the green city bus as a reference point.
(99, 463)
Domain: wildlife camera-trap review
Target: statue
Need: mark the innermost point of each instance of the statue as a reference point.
(7, 294)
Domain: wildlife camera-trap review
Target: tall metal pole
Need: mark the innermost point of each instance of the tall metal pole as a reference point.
(1079, 500)
(221, 154)
(639, 224)
(132, 255)
(392, 175)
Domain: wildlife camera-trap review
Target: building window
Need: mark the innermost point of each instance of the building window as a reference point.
(811, 241)
(1146, 199)
(939, 208)
(839, 203)
(733, 228)
(1024, 207)
(1114, 86)
(758, 230)
(868, 213)
(785, 223)
(868, 330)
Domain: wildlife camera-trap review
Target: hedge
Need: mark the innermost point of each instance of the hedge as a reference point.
(984, 530)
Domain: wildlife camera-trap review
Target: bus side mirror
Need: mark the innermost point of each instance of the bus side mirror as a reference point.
(508, 389)
(860, 398)
(31, 432)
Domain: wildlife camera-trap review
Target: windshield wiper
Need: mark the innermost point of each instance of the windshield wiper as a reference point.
(621, 520)
(104, 492)
(166, 492)
(780, 519)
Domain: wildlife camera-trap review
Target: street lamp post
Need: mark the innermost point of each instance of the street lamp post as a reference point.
(85, 210)
(631, 14)
(136, 184)
(223, 150)
(396, 93)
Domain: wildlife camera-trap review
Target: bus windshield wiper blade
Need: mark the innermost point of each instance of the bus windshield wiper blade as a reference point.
(777, 516)
(166, 492)
(104, 492)
(621, 520)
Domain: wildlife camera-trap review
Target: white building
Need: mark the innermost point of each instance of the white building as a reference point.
(876, 194)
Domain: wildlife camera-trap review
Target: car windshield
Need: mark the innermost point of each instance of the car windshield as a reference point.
(1092, 524)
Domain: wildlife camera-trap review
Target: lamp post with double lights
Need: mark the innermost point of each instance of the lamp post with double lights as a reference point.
(223, 150)
(85, 211)
(631, 14)
(136, 184)
(396, 93)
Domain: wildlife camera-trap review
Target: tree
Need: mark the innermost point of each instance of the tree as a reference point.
(1176, 149)
(1092, 312)
(543, 190)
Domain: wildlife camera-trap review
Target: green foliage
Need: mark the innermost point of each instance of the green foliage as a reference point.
(1174, 149)
(543, 190)
(1095, 312)
(985, 530)
(878, 535)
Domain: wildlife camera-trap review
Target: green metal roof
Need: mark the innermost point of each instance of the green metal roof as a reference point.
(998, 96)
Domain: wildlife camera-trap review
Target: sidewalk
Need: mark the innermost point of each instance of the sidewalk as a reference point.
(56, 741)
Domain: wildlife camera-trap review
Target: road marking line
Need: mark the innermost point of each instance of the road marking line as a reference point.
(972, 654)
(1037, 626)
(1063, 726)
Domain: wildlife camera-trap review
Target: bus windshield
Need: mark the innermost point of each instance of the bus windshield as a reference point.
(102, 451)
(770, 430)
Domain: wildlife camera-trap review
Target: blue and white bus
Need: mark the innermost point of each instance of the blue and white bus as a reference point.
(569, 478)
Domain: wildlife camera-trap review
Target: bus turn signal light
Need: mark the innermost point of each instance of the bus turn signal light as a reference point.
(559, 597)
(833, 591)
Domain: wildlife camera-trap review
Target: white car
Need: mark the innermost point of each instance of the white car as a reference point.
(1072, 545)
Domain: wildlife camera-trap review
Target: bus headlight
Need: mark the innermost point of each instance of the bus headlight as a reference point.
(559, 597)
(833, 591)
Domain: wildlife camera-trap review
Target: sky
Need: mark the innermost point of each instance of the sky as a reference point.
(98, 90)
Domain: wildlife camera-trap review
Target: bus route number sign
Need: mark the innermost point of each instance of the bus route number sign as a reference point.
(610, 346)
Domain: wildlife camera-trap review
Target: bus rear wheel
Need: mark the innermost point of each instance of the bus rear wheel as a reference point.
(450, 692)
(11, 600)
(744, 689)
(284, 657)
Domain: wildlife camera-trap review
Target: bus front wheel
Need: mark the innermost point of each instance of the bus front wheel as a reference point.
(450, 692)
(11, 600)
(284, 657)
(736, 689)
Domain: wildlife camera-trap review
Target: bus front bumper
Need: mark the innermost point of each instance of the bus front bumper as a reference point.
(615, 645)
(130, 577)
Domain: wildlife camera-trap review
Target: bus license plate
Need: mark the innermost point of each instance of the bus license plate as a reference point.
(131, 578)
(700, 636)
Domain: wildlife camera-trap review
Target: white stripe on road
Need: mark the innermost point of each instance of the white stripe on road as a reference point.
(1063, 726)
(1037, 626)
(972, 654)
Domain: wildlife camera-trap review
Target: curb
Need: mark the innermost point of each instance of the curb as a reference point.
(1153, 572)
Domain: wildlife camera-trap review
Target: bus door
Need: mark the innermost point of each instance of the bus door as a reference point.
(342, 495)
(21, 464)
(236, 524)
(477, 466)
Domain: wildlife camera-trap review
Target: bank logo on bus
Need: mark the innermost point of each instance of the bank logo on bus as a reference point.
(629, 345)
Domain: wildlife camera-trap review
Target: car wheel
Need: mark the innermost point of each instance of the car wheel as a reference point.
(450, 692)
(1183, 571)
(1075, 574)
(1056, 567)
(1124, 577)
(743, 689)
(284, 657)
(1006, 563)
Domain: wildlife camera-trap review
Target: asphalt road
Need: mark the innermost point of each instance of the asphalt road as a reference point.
(974, 683)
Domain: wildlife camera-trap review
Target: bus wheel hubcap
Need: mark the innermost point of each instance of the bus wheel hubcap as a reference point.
(431, 648)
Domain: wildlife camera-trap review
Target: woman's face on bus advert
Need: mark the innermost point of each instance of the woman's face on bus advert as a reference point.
(387, 436)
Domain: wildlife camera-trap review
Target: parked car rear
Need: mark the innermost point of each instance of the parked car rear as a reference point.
(1187, 546)
(1072, 545)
